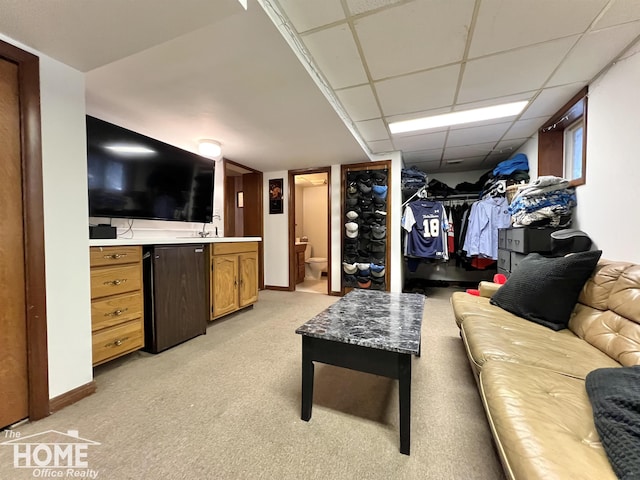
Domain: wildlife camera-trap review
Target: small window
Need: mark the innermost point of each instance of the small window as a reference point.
(562, 142)
(573, 146)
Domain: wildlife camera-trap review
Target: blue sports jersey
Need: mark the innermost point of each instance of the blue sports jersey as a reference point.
(426, 225)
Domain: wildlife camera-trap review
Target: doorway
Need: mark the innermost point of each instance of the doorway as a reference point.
(243, 215)
(310, 231)
(24, 384)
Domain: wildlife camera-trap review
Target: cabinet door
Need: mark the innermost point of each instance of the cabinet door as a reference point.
(248, 278)
(224, 284)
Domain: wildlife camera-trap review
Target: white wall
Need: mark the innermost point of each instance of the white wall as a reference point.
(530, 149)
(64, 164)
(608, 202)
(336, 228)
(276, 235)
(299, 210)
(64, 171)
(314, 225)
(454, 178)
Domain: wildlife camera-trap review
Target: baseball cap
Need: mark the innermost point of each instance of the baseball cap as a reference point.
(380, 191)
(377, 270)
(352, 229)
(363, 187)
(379, 177)
(352, 214)
(364, 282)
(349, 268)
(378, 231)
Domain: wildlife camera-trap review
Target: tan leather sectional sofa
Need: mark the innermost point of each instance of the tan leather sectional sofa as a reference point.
(531, 378)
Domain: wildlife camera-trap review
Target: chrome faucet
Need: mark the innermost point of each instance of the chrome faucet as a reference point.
(204, 233)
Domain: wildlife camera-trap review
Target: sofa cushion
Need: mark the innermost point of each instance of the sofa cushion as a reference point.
(615, 399)
(545, 290)
(608, 313)
(464, 304)
(542, 423)
(507, 337)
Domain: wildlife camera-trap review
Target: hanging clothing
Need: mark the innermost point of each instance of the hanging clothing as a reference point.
(485, 218)
(426, 227)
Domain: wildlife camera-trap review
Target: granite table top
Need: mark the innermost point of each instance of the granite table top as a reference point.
(371, 318)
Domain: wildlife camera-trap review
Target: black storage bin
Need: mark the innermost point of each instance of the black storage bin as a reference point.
(569, 240)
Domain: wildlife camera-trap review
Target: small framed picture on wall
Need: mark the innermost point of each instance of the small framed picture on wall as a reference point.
(275, 196)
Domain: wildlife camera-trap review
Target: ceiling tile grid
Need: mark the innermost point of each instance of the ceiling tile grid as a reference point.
(336, 54)
(408, 37)
(359, 102)
(312, 14)
(419, 91)
(504, 25)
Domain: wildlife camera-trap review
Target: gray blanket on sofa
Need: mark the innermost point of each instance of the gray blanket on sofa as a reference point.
(615, 398)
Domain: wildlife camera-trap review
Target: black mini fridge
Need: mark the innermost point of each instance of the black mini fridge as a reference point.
(176, 295)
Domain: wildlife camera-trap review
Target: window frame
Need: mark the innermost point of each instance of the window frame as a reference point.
(551, 138)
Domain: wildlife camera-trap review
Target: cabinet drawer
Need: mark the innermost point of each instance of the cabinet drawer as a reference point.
(504, 259)
(502, 238)
(102, 256)
(527, 240)
(235, 247)
(515, 240)
(115, 310)
(115, 341)
(516, 258)
(114, 280)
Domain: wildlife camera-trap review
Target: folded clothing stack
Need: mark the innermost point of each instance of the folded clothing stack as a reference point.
(412, 179)
(546, 202)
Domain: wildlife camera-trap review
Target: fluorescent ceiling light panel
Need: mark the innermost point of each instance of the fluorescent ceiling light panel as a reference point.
(130, 149)
(457, 118)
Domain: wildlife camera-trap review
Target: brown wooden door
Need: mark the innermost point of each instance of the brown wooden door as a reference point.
(14, 388)
(248, 278)
(224, 284)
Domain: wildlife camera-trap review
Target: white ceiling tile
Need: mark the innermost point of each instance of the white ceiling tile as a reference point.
(509, 147)
(312, 13)
(420, 114)
(372, 130)
(551, 100)
(419, 91)
(621, 11)
(518, 97)
(525, 128)
(381, 146)
(426, 141)
(593, 52)
(430, 156)
(503, 25)
(357, 7)
(336, 54)
(468, 151)
(471, 135)
(469, 163)
(359, 103)
(512, 72)
(408, 38)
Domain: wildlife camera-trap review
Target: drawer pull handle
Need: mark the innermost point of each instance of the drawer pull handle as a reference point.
(115, 256)
(116, 313)
(116, 282)
(117, 342)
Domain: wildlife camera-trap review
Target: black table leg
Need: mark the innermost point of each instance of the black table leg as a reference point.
(307, 380)
(404, 390)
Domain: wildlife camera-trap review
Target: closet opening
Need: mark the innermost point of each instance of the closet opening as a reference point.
(309, 230)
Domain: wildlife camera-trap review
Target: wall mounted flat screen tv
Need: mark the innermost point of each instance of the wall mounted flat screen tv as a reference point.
(134, 176)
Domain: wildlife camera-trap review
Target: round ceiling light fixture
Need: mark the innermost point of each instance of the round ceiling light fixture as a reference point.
(210, 148)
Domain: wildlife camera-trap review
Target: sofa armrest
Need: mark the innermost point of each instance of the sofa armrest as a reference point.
(487, 289)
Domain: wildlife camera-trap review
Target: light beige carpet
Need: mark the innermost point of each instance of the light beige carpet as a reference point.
(226, 405)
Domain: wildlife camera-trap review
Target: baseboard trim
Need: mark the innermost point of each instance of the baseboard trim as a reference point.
(278, 289)
(336, 293)
(72, 396)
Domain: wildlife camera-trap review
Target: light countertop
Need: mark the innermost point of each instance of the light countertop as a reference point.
(97, 242)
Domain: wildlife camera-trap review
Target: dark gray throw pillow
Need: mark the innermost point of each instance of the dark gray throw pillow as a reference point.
(545, 290)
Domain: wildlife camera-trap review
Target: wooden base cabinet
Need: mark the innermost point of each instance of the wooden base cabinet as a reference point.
(234, 277)
(117, 324)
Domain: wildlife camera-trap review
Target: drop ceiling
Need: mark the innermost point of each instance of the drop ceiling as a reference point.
(182, 71)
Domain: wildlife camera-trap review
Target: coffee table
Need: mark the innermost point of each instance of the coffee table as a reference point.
(370, 331)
